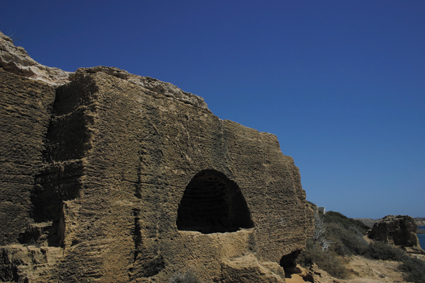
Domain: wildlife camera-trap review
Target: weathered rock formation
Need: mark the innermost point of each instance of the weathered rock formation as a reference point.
(397, 230)
(16, 60)
(110, 177)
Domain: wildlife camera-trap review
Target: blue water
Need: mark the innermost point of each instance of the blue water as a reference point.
(422, 238)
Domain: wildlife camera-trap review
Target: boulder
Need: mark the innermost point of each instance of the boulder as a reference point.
(106, 176)
(397, 230)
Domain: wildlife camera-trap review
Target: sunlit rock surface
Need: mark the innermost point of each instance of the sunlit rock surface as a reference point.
(106, 176)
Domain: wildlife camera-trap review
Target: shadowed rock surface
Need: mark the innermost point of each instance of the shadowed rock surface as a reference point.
(110, 177)
(398, 230)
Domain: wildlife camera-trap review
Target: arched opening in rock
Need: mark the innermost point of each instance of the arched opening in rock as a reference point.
(288, 262)
(212, 203)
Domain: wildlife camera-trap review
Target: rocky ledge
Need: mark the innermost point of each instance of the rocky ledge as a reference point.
(15, 59)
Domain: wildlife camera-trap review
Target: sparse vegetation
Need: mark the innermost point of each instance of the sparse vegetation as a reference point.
(345, 241)
(348, 223)
(382, 251)
(11, 35)
(337, 237)
(414, 269)
(319, 232)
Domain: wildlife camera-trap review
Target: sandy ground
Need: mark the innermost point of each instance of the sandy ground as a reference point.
(362, 270)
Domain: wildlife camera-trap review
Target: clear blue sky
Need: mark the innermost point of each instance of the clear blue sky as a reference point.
(341, 83)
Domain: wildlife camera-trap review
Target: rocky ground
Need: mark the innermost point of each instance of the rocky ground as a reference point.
(362, 270)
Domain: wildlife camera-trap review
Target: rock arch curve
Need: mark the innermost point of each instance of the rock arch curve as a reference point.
(212, 203)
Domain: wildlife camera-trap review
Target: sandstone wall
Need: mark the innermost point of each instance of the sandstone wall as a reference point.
(128, 179)
(24, 118)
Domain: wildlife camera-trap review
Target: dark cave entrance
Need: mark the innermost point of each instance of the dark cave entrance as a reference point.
(212, 203)
(288, 262)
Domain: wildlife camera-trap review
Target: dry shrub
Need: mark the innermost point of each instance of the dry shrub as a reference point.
(348, 223)
(326, 260)
(344, 237)
(382, 251)
(346, 241)
(414, 269)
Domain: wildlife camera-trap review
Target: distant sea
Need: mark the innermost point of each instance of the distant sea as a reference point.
(422, 238)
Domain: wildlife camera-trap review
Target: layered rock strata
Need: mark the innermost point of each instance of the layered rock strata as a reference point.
(106, 176)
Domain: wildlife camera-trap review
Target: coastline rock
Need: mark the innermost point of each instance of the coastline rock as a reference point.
(107, 176)
(420, 221)
(397, 230)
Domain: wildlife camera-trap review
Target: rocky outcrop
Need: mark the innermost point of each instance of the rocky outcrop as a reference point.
(16, 60)
(110, 177)
(167, 89)
(397, 230)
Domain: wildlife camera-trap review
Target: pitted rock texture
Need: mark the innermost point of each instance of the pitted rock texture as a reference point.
(398, 230)
(155, 85)
(24, 120)
(134, 180)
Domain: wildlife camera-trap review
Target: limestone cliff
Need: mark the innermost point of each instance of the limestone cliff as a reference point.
(107, 176)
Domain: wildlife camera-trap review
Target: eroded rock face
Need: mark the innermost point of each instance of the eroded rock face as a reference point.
(16, 60)
(135, 180)
(398, 230)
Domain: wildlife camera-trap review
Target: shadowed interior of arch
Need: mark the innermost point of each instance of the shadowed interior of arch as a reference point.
(212, 203)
